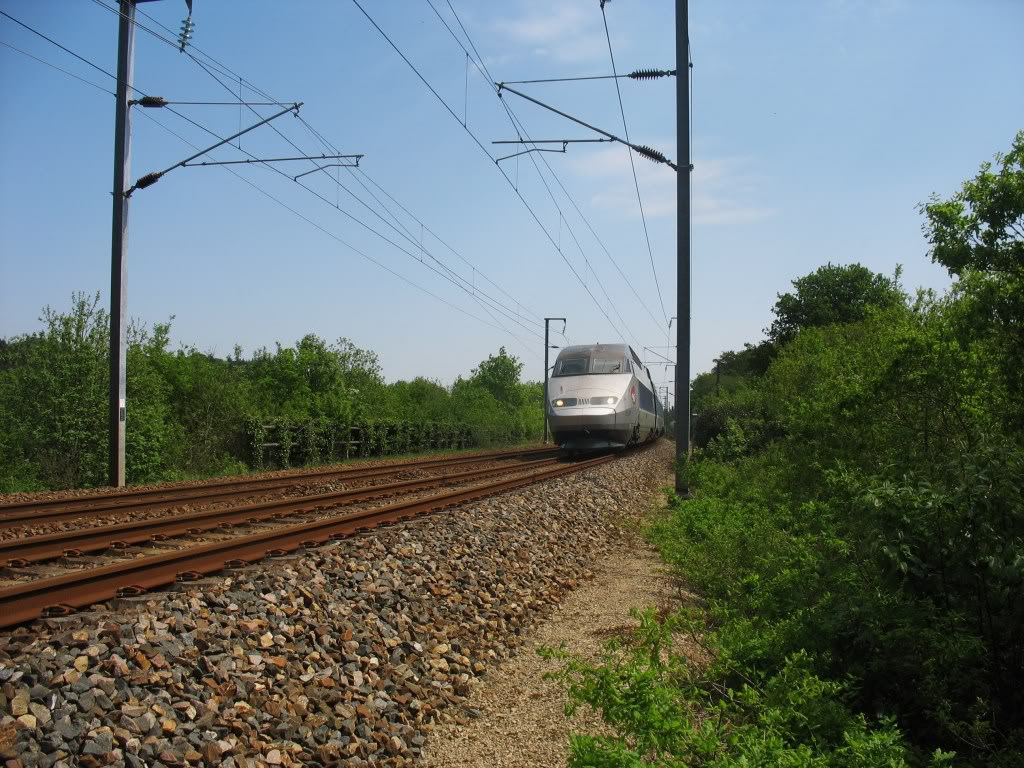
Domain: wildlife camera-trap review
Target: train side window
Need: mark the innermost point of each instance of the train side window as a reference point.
(629, 366)
(636, 358)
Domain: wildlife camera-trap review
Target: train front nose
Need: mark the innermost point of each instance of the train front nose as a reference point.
(590, 422)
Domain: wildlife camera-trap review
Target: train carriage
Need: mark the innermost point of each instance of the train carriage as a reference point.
(601, 396)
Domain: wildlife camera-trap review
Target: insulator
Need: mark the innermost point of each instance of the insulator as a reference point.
(148, 180)
(152, 101)
(187, 28)
(651, 74)
(651, 154)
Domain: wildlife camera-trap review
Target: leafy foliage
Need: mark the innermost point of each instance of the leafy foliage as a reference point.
(192, 414)
(978, 235)
(668, 712)
(857, 530)
(831, 295)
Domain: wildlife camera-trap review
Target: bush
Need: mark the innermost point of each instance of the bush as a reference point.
(191, 414)
(667, 712)
(857, 530)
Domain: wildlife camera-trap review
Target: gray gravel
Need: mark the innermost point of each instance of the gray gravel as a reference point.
(346, 654)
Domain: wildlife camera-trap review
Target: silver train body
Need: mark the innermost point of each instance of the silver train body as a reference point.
(602, 396)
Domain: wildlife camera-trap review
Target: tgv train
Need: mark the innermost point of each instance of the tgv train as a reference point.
(602, 396)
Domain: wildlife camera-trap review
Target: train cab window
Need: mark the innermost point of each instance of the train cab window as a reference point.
(572, 366)
(581, 364)
(606, 365)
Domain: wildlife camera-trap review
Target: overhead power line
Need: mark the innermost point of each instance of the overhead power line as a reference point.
(260, 189)
(482, 69)
(484, 72)
(50, 40)
(446, 245)
(424, 228)
(483, 149)
(473, 292)
(59, 69)
(632, 165)
(212, 66)
(521, 129)
(333, 236)
(447, 274)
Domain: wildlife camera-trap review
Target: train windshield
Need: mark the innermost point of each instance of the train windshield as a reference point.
(583, 363)
(606, 365)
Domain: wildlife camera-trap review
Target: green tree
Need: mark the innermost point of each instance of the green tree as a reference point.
(832, 294)
(148, 426)
(361, 371)
(53, 400)
(978, 235)
(208, 398)
(499, 375)
(421, 400)
(304, 382)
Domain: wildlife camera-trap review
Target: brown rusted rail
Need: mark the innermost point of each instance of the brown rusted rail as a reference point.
(34, 549)
(36, 512)
(63, 594)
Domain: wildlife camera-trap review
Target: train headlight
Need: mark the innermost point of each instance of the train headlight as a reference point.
(611, 400)
(559, 403)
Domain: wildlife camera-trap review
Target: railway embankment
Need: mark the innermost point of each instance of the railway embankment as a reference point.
(350, 652)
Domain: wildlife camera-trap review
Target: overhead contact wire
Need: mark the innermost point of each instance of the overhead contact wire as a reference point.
(251, 184)
(484, 150)
(376, 232)
(226, 71)
(59, 69)
(327, 232)
(632, 164)
(520, 129)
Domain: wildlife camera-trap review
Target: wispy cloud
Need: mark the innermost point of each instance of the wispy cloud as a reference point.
(564, 31)
(721, 187)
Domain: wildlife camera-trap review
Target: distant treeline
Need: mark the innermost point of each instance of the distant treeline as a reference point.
(856, 534)
(191, 414)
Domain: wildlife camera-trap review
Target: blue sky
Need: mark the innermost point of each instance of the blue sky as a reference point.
(819, 126)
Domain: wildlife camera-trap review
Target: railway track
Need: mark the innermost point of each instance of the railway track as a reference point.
(63, 594)
(57, 510)
(34, 549)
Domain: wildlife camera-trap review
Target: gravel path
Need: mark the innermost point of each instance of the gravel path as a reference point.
(521, 718)
(344, 655)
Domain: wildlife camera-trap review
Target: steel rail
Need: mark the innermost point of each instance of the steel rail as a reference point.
(17, 553)
(63, 594)
(33, 512)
